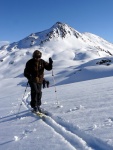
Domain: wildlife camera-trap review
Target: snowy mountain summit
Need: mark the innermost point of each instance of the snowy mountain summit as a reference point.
(64, 44)
(57, 31)
(67, 36)
(62, 30)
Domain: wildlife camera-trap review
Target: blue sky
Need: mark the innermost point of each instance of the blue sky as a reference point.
(19, 18)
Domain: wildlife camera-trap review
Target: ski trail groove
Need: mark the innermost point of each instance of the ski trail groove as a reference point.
(74, 140)
(73, 136)
(93, 142)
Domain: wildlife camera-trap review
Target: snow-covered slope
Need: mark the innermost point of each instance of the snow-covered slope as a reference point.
(65, 45)
(83, 122)
(84, 118)
(64, 34)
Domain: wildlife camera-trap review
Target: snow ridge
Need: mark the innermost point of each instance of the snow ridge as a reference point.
(66, 35)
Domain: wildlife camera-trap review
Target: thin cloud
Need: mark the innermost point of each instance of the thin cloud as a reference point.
(4, 43)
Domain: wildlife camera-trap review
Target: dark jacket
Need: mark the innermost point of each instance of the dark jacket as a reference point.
(34, 70)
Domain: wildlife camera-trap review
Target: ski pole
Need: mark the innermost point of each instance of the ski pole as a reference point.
(55, 88)
(22, 98)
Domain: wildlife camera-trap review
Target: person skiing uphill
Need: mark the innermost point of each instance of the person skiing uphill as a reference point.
(34, 72)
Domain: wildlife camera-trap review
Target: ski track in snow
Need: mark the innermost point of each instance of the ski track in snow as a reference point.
(70, 134)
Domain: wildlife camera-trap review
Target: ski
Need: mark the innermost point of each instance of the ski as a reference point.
(40, 114)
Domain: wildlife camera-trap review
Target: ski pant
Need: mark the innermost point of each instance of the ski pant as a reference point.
(36, 94)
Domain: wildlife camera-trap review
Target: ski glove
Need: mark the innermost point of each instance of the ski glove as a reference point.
(50, 61)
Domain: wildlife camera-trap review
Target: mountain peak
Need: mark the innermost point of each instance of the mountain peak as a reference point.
(58, 22)
(62, 33)
(62, 30)
(61, 25)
